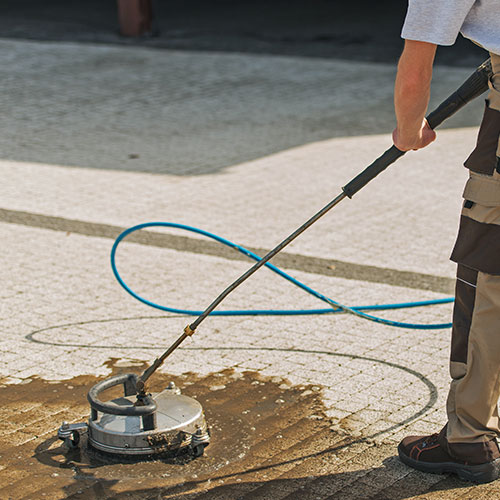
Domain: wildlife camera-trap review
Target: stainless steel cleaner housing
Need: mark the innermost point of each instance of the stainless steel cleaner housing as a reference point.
(163, 423)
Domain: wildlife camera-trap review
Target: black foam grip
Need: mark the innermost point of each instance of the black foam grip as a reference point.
(473, 87)
(370, 172)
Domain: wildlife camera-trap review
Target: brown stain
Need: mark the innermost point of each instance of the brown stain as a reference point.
(270, 440)
(257, 426)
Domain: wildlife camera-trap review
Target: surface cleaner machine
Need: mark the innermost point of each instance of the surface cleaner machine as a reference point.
(140, 424)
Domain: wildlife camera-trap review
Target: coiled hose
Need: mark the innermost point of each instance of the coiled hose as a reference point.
(335, 307)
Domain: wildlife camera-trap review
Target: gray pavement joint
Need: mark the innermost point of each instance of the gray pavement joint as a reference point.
(315, 265)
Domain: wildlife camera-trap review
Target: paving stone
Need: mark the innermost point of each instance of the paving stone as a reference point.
(63, 315)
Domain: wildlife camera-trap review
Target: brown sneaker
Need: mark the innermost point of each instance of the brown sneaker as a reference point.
(425, 453)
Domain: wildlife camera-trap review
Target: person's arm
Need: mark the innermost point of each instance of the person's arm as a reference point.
(411, 96)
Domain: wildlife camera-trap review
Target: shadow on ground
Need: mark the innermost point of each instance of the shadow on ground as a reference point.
(361, 483)
(226, 95)
(362, 31)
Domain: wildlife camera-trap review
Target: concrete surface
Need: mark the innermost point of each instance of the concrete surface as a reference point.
(63, 316)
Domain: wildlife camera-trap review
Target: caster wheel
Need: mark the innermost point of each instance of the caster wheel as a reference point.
(73, 441)
(198, 450)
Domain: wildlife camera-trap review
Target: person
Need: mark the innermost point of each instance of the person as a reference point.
(467, 444)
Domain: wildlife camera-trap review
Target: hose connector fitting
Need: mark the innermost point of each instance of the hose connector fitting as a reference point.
(188, 330)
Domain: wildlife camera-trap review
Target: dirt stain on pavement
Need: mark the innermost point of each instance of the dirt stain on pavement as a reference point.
(269, 440)
(254, 421)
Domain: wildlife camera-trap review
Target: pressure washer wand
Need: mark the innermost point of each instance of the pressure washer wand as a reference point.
(473, 87)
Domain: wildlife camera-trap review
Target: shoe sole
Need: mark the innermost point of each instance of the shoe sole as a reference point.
(482, 473)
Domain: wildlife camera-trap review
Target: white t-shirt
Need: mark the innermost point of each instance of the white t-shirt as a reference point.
(440, 21)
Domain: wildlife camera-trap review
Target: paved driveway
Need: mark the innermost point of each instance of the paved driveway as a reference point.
(87, 151)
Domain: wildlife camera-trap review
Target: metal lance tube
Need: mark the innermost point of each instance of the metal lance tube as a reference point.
(473, 87)
(190, 329)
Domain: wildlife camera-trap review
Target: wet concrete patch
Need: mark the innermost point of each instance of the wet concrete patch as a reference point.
(270, 440)
(252, 420)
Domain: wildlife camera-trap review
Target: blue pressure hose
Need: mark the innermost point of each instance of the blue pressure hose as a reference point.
(335, 307)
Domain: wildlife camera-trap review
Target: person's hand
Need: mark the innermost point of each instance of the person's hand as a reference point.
(407, 142)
